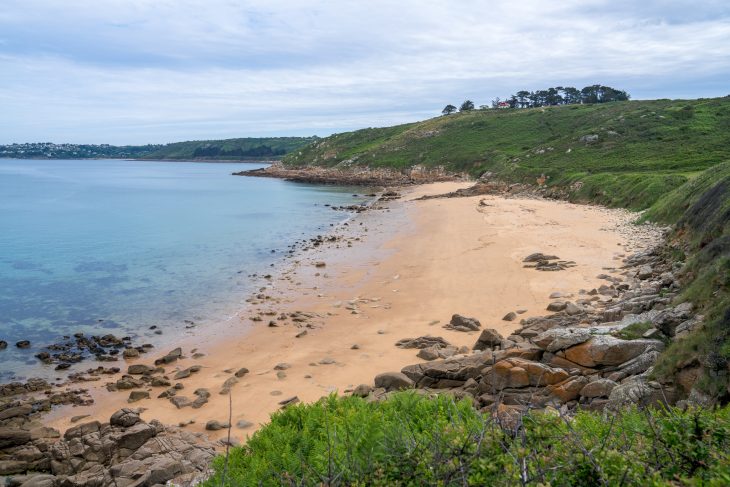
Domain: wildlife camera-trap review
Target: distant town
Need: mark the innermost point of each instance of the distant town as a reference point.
(49, 150)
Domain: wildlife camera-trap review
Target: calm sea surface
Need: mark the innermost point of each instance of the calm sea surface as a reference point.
(114, 246)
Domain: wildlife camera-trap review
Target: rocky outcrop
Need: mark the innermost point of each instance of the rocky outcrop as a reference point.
(127, 451)
(587, 354)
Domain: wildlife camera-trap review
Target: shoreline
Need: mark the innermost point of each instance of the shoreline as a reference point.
(446, 256)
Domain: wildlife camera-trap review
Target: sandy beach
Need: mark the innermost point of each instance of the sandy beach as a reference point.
(415, 265)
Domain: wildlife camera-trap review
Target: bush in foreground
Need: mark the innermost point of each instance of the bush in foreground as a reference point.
(414, 440)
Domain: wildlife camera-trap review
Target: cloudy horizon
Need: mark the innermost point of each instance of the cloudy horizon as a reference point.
(144, 71)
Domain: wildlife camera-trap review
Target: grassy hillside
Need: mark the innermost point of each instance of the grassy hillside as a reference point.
(700, 210)
(643, 149)
(236, 149)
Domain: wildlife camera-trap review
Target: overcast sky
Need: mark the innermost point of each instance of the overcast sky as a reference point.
(151, 71)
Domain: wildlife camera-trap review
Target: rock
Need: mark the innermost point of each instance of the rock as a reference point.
(538, 256)
(170, 357)
(23, 344)
(136, 435)
(556, 339)
(669, 319)
(22, 410)
(589, 138)
(363, 390)
(572, 309)
(241, 372)
(40, 480)
(215, 425)
(320, 264)
(556, 295)
(125, 418)
(556, 306)
(488, 339)
(327, 361)
(355, 346)
(201, 399)
(393, 381)
(289, 401)
(243, 424)
(228, 384)
(3, 344)
(135, 396)
(10, 436)
(185, 373)
(644, 272)
(282, 366)
(569, 389)
(511, 316)
(603, 350)
(180, 401)
(130, 353)
(140, 369)
(518, 372)
(462, 323)
(422, 342)
(160, 382)
(430, 353)
(598, 388)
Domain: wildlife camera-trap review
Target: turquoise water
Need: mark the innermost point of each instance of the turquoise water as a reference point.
(110, 246)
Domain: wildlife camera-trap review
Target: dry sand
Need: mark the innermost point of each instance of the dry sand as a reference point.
(420, 263)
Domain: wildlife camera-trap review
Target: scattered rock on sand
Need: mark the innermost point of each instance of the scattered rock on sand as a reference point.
(289, 401)
(556, 306)
(243, 424)
(241, 372)
(511, 316)
(215, 425)
(135, 396)
(489, 339)
(282, 366)
(462, 323)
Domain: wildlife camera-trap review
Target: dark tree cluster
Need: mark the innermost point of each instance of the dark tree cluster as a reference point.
(560, 95)
(565, 95)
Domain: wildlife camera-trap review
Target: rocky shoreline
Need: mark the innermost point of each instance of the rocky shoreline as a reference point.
(361, 176)
(595, 351)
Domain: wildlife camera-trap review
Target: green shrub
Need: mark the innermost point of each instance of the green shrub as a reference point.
(414, 440)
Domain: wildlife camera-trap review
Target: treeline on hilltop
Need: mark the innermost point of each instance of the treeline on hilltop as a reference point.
(559, 95)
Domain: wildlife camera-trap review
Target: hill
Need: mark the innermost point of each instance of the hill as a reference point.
(619, 154)
(242, 149)
(249, 148)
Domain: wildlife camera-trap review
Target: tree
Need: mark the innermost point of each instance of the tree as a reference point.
(466, 106)
(522, 98)
(496, 102)
(448, 109)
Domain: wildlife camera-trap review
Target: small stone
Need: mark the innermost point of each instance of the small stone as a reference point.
(130, 353)
(76, 419)
(135, 396)
(556, 306)
(511, 316)
(327, 361)
(289, 401)
(243, 424)
(282, 366)
(281, 374)
(363, 390)
(355, 347)
(23, 344)
(241, 372)
(215, 425)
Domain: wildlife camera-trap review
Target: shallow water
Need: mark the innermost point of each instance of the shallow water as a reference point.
(110, 246)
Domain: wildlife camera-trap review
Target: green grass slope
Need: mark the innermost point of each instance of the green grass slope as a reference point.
(230, 149)
(413, 440)
(644, 149)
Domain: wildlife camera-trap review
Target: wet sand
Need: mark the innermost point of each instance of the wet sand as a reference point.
(415, 265)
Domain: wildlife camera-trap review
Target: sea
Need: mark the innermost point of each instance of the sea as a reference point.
(132, 247)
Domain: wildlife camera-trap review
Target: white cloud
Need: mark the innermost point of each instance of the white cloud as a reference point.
(150, 71)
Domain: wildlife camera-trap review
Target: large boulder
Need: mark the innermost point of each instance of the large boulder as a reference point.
(517, 372)
(606, 350)
(393, 381)
(488, 339)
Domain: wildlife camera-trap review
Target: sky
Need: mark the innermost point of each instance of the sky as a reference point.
(156, 71)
